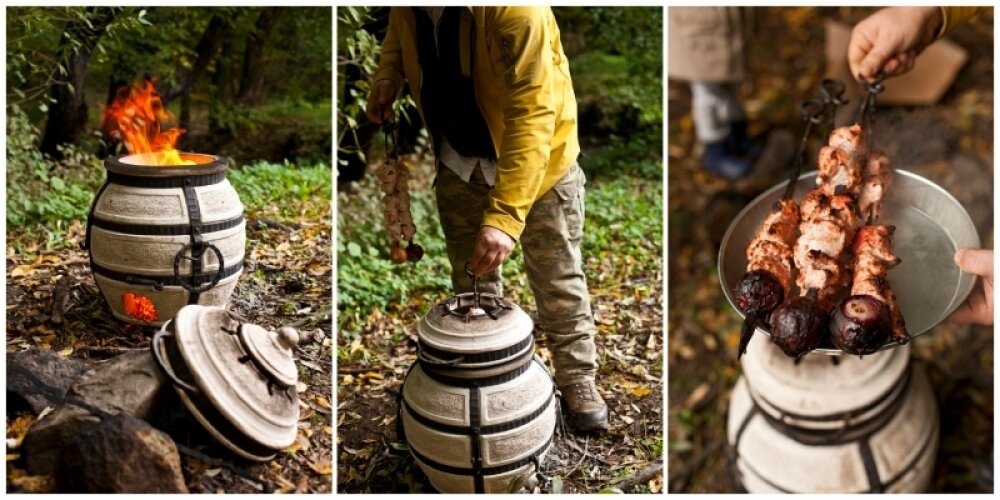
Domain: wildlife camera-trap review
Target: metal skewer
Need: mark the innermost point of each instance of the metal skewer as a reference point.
(833, 96)
(813, 111)
(866, 113)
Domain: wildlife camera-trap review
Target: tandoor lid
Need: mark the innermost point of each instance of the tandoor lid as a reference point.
(465, 324)
(245, 373)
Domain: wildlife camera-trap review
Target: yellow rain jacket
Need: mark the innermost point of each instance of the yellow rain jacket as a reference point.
(523, 88)
(952, 17)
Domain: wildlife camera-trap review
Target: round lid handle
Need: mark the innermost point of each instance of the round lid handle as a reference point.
(288, 337)
(271, 352)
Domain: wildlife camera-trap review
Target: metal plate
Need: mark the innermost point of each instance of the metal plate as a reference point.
(930, 225)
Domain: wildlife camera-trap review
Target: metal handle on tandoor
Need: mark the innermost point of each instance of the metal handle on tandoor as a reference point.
(160, 358)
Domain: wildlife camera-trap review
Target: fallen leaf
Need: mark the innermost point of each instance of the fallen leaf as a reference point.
(66, 352)
(30, 484)
(18, 429)
(22, 270)
(641, 391)
(324, 467)
(698, 395)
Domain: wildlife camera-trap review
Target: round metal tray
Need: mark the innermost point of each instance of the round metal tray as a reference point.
(930, 225)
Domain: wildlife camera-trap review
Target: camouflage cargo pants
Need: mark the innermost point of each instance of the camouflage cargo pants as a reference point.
(551, 247)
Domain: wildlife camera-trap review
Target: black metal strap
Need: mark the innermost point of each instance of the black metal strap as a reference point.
(197, 247)
(475, 438)
(169, 230)
(162, 281)
(166, 182)
(432, 372)
(484, 357)
(871, 470)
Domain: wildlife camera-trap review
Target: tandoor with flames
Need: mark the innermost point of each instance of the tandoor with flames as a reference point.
(166, 228)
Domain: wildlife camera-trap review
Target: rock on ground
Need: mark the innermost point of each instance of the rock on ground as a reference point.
(27, 368)
(130, 384)
(122, 454)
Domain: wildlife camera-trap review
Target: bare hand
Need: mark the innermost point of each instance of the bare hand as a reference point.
(493, 246)
(978, 308)
(380, 101)
(891, 39)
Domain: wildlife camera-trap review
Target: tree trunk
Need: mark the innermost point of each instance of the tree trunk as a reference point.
(251, 80)
(224, 87)
(208, 47)
(67, 113)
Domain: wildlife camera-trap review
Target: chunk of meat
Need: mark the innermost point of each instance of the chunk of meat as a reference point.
(877, 177)
(873, 258)
(771, 247)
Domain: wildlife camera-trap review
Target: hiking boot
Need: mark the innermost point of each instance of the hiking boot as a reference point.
(772, 166)
(585, 409)
(719, 159)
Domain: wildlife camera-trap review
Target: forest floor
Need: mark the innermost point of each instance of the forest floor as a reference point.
(286, 280)
(950, 143)
(379, 310)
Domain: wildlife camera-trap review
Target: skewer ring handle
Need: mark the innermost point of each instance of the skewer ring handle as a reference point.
(813, 110)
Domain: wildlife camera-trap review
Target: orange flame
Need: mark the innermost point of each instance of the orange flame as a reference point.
(135, 117)
(138, 307)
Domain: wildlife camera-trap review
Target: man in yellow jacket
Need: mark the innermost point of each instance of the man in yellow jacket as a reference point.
(493, 87)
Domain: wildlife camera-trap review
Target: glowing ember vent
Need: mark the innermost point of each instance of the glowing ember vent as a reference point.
(135, 117)
(138, 307)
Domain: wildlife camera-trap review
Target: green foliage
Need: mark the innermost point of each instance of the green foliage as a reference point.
(625, 220)
(366, 278)
(270, 186)
(33, 56)
(616, 60)
(40, 190)
(359, 46)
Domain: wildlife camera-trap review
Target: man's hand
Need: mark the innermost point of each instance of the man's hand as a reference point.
(978, 308)
(380, 101)
(891, 39)
(493, 246)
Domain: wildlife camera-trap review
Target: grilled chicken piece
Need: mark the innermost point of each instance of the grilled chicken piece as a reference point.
(877, 177)
(848, 138)
(840, 162)
(771, 248)
(873, 258)
(820, 255)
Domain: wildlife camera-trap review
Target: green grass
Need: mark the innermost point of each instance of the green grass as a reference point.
(269, 187)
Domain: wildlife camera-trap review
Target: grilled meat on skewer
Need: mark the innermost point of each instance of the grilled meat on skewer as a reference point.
(870, 316)
(827, 228)
(821, 253)
(840, 162)
(771, 248)
(877, 176)
(770, 264)
(770, 270)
